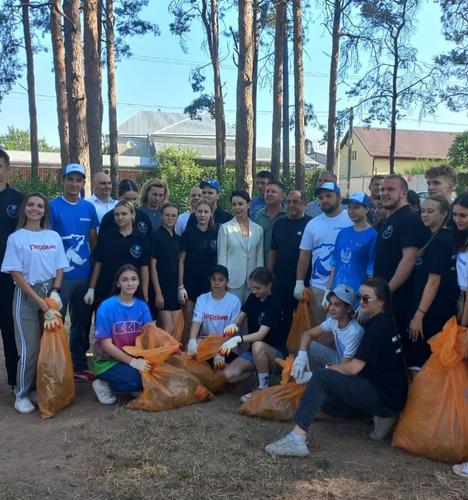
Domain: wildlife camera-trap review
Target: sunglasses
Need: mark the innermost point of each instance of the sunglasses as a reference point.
(365, 299)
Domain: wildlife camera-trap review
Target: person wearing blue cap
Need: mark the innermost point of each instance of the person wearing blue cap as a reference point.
(317, 245)
(354, 253)
(211, 190)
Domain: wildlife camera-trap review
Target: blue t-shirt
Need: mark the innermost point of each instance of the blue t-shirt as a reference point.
(256, 204)
(73, 221)
(353, 257)
(120, 322)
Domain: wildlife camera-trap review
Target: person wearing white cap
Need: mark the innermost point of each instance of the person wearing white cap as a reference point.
(353, 257)
(76, 221)
(317, 245)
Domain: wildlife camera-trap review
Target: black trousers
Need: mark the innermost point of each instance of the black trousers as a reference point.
(10, 352)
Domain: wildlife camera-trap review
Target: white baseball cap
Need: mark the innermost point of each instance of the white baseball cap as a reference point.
(73, 168)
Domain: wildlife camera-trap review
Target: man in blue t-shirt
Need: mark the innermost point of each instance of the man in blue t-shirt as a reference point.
(76, 221)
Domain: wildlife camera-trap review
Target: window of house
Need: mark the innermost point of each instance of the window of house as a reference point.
(354, 155)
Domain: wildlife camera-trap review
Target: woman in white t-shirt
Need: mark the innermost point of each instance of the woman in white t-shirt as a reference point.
(35, 258)
(213, 311)
(460, 219)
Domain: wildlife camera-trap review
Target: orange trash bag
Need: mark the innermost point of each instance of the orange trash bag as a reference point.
(278, 402)
(166, 386)
(151, 337)
(178, 318)
(199, 367)
(434, 423)
(54, 381)
(302, 321)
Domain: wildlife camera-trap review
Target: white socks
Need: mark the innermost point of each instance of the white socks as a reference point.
(263, 380)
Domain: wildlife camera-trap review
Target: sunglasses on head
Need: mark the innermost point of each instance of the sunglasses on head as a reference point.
(365, 299)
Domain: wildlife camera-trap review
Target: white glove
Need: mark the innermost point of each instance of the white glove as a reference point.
(300, 364)
(51, 319)
(230, 344)
(89, 297)
(56, 298)
(140, 364)
(231, 330)
(299, 289)
(306, 376)
(325, 302)
(219, 362)
(182, 295)
(192, 348)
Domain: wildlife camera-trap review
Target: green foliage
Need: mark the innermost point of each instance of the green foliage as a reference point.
(50, 185)
(419, 167)
(19, 140)
(458, 152)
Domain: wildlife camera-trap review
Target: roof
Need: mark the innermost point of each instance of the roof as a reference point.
(144, 123)
(409, 143)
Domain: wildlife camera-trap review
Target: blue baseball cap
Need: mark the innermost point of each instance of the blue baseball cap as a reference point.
(211, 183)
(359, 198)
(74, 168)
(328, 186)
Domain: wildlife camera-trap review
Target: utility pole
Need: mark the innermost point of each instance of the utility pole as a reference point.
(350, 150)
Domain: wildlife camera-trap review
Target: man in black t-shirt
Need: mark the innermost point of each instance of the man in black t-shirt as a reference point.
(284, 253)
(211, 190)
(10, 202)
(400, 237)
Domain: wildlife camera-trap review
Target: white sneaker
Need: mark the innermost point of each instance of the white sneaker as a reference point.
(461, 469)
(288, 447)
(103, 392)
(382, 427)
(24, 405)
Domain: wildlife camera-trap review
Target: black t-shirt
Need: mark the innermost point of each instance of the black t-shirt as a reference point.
(220, 216)
(201, 251)
(286, 238)
(114, 250)
(385, 368)
(142, 223)
(10, 203)
(266, 313)
(437, 258)
(165, 249)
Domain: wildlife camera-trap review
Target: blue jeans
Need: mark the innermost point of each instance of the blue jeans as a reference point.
(122, 378)
(320, 355)
(347, 396)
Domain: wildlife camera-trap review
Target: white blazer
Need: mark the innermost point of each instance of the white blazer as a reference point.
(239, 256)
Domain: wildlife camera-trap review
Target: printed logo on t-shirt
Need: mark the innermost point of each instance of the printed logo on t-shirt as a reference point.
(74, 242)
(299, 233)
(32, 246)
(419, 260)
(321, 261)
(142, 227)
(215, 317)
(213, 245)
(261, 317)
(125, 327)
(345, 255)
(387, 232)
(12, 210)
(85, 219)
(135, 251)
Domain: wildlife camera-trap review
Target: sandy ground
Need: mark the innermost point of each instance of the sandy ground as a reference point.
(205, 451)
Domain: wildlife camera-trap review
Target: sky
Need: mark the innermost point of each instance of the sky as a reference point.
(157, 77)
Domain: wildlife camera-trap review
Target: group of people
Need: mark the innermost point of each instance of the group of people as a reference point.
(239, 274)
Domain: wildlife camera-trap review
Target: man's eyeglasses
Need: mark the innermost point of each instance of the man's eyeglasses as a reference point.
(365, 299)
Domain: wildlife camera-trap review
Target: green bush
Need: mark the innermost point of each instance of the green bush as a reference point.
(50, 185)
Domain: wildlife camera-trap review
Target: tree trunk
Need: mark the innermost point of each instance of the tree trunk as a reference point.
(244, 113)
(299, 96)
(256, 44)
(31, 91)
(112, 95)
(79, 149)
(277, 90)
(58, 50)
(286, 170)
(332, 86)
(93, 83)
(396, 64)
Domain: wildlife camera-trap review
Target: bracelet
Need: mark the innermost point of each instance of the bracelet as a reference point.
(421, 311)
(242, 338)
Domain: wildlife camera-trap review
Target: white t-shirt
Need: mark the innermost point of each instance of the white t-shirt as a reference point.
(462, 270)
(102, 207)
(347, 339)
(319, 238)
(181, 223)
(36, 254)
(214, 315)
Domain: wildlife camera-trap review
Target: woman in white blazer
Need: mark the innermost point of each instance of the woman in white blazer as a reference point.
(240, 245)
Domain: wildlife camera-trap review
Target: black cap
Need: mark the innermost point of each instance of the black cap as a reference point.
(221, 270)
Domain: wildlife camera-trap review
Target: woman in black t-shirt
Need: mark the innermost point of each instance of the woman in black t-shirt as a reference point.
(165, 266)
(197, 257)
(435, 289)
(374, 382)
(267, 337)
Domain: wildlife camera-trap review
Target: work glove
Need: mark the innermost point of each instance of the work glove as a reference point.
(299, 289)
(56, 298)
(192, 348)
(300, 364)
(219, 362)
(230, 344)
(325, 302)
(304, 379)
(182, 295)
(51, 319)
(140, 364)
(89, 297)
(230, 330)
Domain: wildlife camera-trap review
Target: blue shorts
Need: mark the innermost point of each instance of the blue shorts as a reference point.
(248, 356)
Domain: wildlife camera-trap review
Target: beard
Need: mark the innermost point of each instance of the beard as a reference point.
(329, 208)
